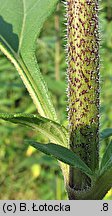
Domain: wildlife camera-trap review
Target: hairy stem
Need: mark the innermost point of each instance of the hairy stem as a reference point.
(57, 45)
(83, 85)
(97, 191)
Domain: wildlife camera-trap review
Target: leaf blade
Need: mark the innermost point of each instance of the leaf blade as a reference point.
(62, 154)
(106, 133)
(18, 34)
(106, 162)
(54, 131)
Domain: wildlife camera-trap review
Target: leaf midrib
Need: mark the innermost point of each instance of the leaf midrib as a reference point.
(21, 65)
(23, 26)
(23, 71)
(23, 23)
(10, 48)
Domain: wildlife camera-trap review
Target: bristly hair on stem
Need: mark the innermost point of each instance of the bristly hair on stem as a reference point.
(83, 86)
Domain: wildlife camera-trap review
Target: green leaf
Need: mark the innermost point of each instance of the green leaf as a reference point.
(54, 131)
(63, 154)
(20, 24)
(106, 162)
(106, 133)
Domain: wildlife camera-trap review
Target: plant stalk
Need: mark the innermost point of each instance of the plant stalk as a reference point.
(97, 191)
(57, 45)
(83, 86)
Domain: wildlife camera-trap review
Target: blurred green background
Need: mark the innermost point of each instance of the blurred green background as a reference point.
(24, 172)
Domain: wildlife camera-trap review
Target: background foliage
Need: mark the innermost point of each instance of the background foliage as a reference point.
(24, 172)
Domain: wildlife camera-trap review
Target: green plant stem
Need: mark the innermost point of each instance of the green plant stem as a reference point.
(57, 45)
(97, 191)
(83, 86)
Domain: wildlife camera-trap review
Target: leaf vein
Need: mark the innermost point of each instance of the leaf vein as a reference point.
(23, 25)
